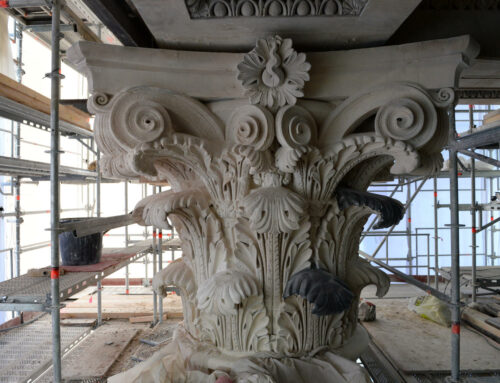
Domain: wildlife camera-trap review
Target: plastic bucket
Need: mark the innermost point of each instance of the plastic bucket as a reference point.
(78, 251)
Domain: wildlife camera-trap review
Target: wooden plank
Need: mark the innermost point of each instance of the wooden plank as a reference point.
(78, 322)
(115, 301)
(495, 322)
(95, 355)
(121, 307)
(479, 319)
(144, 319)
(43, 272)
(414, 344)
(175, 315)
(106, 314)
(491, 117)
(20, 93)
(171, 302)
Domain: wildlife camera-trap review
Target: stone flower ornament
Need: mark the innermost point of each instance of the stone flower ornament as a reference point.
(273, 73)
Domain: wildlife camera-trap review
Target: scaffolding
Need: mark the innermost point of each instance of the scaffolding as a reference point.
(25, 292)
(21, 290)
(473, 139)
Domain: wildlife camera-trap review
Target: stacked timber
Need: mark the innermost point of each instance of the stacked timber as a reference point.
(136, 308)
(21, 94)
(485, 318)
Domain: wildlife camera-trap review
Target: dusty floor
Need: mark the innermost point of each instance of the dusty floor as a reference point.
(149, 339)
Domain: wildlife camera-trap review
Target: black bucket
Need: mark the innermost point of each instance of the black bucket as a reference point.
(78, 251)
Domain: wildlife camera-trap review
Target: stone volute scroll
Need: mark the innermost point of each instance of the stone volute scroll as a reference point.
(268, 193)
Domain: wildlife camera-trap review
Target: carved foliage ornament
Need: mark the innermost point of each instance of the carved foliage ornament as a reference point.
(270, 260)
(273, 73)
(203, 9)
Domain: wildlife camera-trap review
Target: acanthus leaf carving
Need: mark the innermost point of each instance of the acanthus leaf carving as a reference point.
(328, 294)
(274, 210)
(225, 290)
(391, 211)
(360, 274)
(328, 238)
(177, 274)
(356, 148)
(296, 252)
(248, 256)
(252, 326)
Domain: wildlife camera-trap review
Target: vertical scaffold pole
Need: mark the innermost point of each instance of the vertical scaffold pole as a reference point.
(436, 237)
(473, 208)
(408, 228)
(54, 190)
(99, 302)
(155, 296)
(17, 180)
(98, 184)
(127, 287)
(160, 266)
(98, 214)
(455, 255)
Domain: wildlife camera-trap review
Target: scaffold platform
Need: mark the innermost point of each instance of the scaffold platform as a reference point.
(27, 350)
(29, 293)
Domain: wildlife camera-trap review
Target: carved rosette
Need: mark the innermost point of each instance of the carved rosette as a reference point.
(274, 74)
(254, 195)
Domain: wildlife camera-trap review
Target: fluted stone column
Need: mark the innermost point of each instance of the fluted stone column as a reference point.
(268, 154)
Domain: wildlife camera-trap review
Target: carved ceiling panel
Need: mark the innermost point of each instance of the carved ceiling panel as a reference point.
(235, 25)
(273, 8)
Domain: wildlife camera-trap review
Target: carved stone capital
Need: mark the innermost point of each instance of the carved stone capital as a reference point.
(254, 194)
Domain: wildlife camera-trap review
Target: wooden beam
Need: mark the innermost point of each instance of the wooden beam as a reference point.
(20, 93)
(144, 319)
(478, 320)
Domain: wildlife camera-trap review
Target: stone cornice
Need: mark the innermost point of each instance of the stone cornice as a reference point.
(334, 75)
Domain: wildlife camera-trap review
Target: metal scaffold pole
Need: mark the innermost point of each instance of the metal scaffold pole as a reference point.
(160, 266)
(436, 237)
(54, 190)
(98, 184)
(17, 180)
(98, 214)
(408, 202)
(492, 231)
(473, 208)
(455, 255)
(127, 287)
(408, 228)
(155, 297)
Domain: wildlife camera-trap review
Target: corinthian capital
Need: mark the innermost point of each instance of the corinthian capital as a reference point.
(269, 155)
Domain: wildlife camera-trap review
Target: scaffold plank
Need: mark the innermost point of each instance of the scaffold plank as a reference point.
(26, 351)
